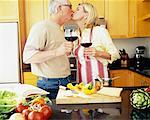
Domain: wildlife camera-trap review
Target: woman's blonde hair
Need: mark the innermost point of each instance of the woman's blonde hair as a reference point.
(91, 10)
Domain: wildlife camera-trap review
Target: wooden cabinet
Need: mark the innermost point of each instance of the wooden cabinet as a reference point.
(29, 78)
(116, 15)
(132, 18)
(128, 18)
(140, 80)
(8, 10)
(129, 78)
(125, 78)
(147, 80)
(35, 11)
(98, 4)
(139, 18)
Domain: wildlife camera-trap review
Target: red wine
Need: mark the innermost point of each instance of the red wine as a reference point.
(86, 44)
(72, 38)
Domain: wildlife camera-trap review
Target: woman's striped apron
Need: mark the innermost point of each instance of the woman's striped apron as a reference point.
(89, 68)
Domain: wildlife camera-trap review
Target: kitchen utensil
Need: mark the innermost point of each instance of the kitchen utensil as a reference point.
(107, 81)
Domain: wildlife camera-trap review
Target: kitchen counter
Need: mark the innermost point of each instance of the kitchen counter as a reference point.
(114, 111)
(145, 70)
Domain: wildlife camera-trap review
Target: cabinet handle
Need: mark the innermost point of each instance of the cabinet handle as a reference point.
(133, 25)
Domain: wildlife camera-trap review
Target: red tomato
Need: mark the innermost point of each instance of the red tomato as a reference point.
(147, 89)
(47, 111)
(20, 108)
(25, 113)
(34, 115)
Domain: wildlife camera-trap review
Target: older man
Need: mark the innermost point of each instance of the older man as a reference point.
(46, 48)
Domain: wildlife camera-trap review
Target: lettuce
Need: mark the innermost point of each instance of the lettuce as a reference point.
(8, 101)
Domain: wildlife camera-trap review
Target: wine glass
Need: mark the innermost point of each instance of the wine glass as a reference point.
(71, 34)
(86, 45)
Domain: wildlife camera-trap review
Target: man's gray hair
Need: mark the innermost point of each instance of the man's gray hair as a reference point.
(53, 5)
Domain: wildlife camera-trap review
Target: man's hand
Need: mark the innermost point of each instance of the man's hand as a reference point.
(69, 47)
(64, 48)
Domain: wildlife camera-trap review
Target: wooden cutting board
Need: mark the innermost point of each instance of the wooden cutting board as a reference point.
(94, 98)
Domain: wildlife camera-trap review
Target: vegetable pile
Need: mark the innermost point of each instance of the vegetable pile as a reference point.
(35, 108)
(87, 89)
(140, 98)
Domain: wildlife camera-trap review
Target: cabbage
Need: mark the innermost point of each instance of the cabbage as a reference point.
(140, 99)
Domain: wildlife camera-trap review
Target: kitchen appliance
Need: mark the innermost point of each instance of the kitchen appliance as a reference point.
(139, 56)
(124, 58)
(9, 52)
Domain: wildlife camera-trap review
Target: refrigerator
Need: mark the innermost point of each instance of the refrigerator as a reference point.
(9, 53)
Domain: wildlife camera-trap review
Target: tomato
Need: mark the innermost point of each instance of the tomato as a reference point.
(25, 113)
(34, 115)
(20, 108)
(47, 111)
(147, 89)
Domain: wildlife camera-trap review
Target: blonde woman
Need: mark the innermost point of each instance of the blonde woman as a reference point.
(93, 60)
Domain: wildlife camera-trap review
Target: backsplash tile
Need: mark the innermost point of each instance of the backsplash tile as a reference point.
(130, 44)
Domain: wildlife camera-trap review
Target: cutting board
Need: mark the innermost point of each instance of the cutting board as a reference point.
(94, 98)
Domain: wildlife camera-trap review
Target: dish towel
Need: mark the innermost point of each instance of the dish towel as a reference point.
(110, 91)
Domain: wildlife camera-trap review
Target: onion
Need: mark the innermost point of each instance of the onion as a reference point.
(16, 116)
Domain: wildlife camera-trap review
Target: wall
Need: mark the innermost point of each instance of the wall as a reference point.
(130, 44)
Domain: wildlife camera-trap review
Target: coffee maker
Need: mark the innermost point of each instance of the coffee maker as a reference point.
(139, 56)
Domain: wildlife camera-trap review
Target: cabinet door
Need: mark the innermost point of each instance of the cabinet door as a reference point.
(116, 14)
(147, 80)
(34, 12)
(139, 18)
(8, 10)
(139, 80)
(124, 78)
(143, 24)
(132, 18)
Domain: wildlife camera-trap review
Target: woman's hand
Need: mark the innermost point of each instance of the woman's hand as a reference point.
(90, 51)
